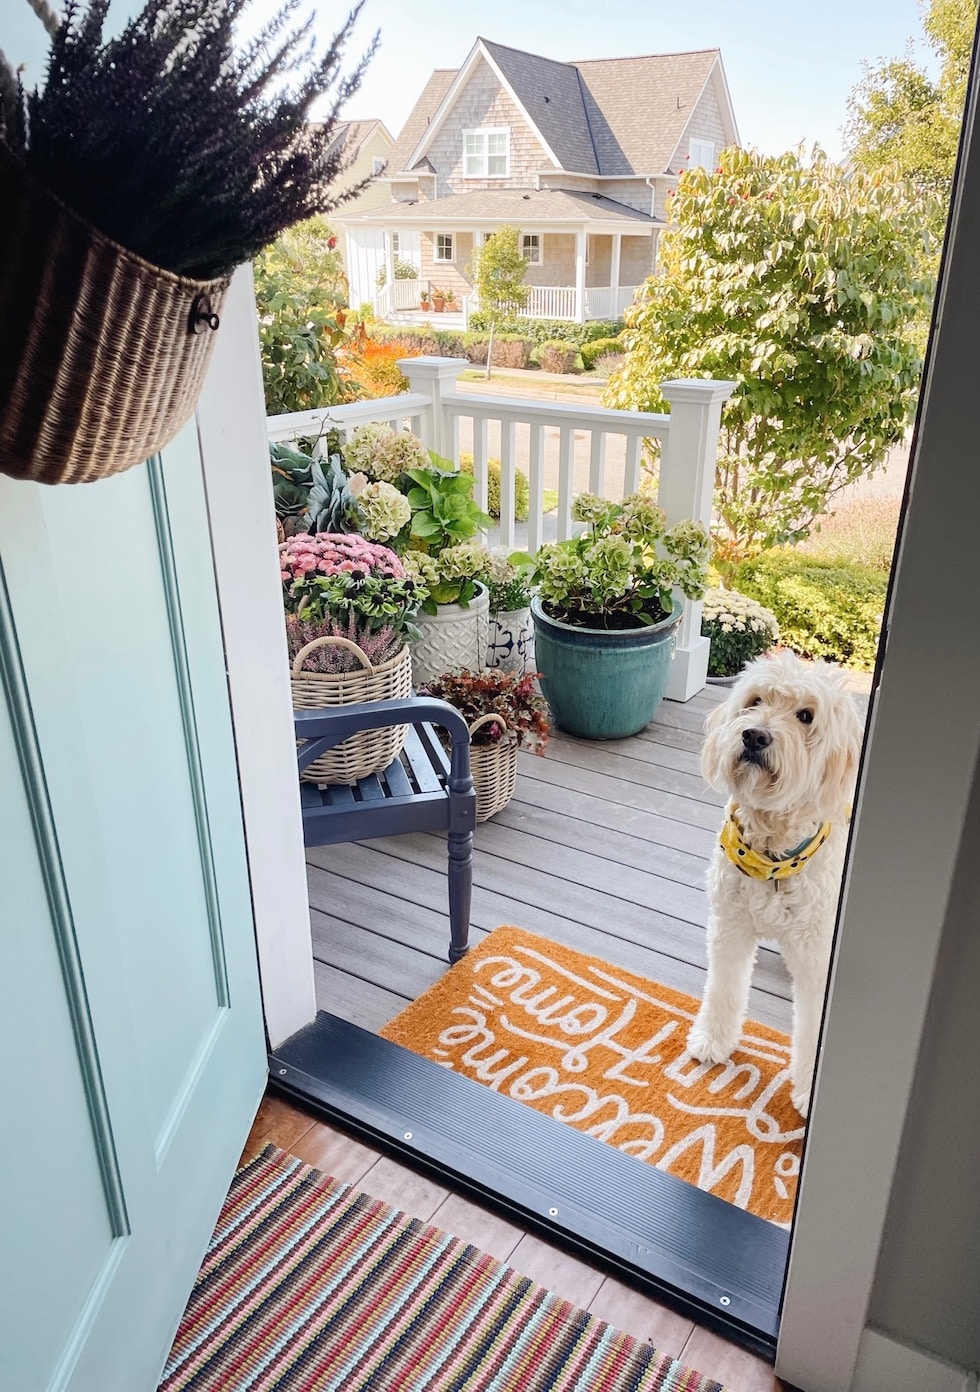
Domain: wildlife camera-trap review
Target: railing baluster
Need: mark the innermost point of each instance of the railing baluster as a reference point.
(597, 463)
(508, 483)
(634, 447)
(566, 468)
(480, 462)
(535, 520)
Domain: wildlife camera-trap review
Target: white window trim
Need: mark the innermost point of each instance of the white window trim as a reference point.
(443, 260)
(532, 261)
(484, 132)
(378, 164)
(702, 154)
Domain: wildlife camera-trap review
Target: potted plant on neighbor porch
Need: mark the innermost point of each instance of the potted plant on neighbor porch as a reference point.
(605, 616)
(438, 300)
(147, 168)
(505, 712)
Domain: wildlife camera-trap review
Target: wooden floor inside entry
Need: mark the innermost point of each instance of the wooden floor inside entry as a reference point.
(604, 848)
(343, 1157)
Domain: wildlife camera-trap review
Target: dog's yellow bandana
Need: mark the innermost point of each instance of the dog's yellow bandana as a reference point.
(763, 867)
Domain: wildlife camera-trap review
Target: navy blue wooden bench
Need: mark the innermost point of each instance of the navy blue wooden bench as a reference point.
(424, 789)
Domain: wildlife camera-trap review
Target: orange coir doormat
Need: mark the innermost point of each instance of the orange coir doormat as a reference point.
(603, 1050)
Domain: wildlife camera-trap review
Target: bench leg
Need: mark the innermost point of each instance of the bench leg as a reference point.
(460, 892)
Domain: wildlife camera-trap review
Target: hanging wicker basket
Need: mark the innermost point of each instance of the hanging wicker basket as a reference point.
(102, 355)
(369, 751)
(494, 768)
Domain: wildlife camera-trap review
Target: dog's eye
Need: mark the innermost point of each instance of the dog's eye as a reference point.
(804, 716)
(756, 701)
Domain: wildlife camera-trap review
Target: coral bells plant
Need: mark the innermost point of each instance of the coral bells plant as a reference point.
(619, 573)
(516, 699)
(340, 584)
(739, 628)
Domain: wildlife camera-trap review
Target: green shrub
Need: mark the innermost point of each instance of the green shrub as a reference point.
(423, 338)
(509, 350)
(542, 331)
(556, 356)
(824, 609)
(598, 348)
(522, 489)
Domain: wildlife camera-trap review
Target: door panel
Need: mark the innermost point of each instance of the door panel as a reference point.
(133, 1030)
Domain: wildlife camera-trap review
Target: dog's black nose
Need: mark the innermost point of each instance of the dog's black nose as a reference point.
(755, 740)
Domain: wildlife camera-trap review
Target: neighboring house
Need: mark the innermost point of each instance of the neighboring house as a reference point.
(366, 146)
(581, 156)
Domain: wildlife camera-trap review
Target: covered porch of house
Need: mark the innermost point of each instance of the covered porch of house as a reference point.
(586, 255)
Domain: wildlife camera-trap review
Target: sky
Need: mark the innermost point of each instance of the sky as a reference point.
(790, 65)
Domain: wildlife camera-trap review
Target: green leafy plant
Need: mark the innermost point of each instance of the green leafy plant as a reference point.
(739, 629)
(619, 573)
(824, 609)
(186, 151)
(522, 489)
(599, 348)
(443, 510)
(557, 356)
(493, 692)
(404, 270)
(300, 297)
(802, 283)
(498, 270)
(509, 581)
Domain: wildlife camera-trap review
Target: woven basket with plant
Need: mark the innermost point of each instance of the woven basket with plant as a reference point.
(349, 616)
(504, 713)
(148, 167)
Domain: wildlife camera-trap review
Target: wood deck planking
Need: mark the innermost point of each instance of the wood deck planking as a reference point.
(603, 848)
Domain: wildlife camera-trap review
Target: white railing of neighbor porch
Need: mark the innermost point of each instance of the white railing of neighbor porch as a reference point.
(569, 444)
(608, 301)
(551, 302)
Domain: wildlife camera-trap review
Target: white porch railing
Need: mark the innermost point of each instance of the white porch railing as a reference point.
(396, 295)
(551, 302)
(565, 444)
(608, 301)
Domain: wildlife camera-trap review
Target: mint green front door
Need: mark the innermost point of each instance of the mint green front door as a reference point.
(133, 1054)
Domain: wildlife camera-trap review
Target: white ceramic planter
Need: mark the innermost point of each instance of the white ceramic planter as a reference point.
(452, 638)
(510, 646)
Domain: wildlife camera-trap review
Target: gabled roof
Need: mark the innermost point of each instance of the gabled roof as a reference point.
(351, 135)
(528, 207)
(604, 116)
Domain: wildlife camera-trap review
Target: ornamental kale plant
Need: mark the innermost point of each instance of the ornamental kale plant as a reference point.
(620, 572)
(187, 150)
(329, 578)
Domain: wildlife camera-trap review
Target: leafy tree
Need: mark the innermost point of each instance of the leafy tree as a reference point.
(301, 294)
(498, 272)
(801, 284)
(900, 116)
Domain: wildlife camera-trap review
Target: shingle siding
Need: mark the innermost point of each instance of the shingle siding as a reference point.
(706, 124)
(483, 102)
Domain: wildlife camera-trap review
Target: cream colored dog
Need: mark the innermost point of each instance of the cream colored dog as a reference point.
(784, 747)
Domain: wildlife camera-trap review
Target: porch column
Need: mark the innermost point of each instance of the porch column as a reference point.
(687, 481)
(580, 276)
(436, 379)
(617, 251)
(389, 270)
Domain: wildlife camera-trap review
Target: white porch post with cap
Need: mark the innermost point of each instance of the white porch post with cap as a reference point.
(614, 270)
(687, 480)
(580, 276)
(436, 379)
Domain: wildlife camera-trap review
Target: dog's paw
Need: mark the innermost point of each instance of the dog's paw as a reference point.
(801, 1100)
(708, 1045)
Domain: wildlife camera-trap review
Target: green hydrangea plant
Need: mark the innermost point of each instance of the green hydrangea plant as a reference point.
(619, 573)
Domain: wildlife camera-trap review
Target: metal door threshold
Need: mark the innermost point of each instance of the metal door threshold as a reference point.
(702, 1256)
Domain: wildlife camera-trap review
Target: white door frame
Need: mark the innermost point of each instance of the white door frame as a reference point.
(918, 775)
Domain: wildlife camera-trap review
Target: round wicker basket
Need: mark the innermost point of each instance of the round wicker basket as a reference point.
(102, 355)
(494, 768)
(369, 751)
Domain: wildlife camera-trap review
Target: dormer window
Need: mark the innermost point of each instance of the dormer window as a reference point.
(702, 154)
(486, 153)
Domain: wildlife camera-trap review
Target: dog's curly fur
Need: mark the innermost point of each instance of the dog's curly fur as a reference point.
(784, 746)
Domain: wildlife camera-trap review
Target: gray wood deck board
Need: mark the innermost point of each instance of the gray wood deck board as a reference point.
(604, 848)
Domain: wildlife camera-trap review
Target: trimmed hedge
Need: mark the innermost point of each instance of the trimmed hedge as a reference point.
(522, 489)
(558, 356)
(824, 609)
(509, 350)
(551, 330)
(599, 348)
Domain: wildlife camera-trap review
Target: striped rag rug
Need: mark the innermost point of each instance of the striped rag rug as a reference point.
(311, 1286)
